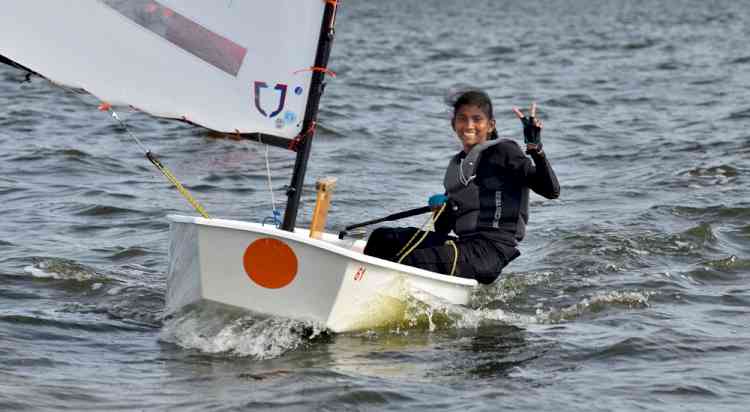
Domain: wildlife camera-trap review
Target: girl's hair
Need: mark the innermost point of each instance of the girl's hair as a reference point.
(479, 99)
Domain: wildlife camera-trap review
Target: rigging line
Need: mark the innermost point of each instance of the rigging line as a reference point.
(106, 107)
(295, 143)
(275, 212)
(155, 161)
(180, 188)
(270, 184)
(455, 257)
(432, 219)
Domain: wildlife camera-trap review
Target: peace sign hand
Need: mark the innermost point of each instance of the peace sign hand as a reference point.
(532, 129)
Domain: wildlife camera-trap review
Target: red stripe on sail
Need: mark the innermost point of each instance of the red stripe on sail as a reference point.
(184, 33)
(209, 46)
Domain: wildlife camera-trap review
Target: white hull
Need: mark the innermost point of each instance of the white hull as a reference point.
(333, 282)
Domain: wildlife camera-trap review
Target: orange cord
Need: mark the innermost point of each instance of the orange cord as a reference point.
(294, 144)
(318, 69)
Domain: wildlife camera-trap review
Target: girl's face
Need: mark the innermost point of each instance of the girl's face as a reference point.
(472, 126)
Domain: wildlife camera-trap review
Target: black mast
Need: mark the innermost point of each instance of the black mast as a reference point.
(325, 41)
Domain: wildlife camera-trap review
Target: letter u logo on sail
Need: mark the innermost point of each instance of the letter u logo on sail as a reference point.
(259, 86)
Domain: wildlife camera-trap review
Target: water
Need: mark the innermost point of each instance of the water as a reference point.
(632, 292)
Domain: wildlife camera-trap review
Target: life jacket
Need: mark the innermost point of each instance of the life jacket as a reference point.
(463, 192)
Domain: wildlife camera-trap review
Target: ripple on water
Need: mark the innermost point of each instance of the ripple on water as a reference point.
(119, 253)
(712, 213)
(727, 270)
(98, 210)
(645, 105)
(597, 305)
(81, 289)
(573, 100)
(602, 250)
(740, 60)
(711, 176)
(739, 115)
(684, 390)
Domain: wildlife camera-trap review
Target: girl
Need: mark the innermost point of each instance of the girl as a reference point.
(486, 199)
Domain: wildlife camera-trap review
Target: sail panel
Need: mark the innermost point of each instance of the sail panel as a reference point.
(230, 65)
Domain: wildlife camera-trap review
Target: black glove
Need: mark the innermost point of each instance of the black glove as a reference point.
(532, 135)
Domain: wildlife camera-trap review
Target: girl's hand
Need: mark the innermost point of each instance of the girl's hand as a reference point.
(532, 129)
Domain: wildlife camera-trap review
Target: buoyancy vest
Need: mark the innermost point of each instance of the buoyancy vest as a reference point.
(463, 191)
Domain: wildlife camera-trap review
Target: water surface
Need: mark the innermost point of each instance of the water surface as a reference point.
(632, 292)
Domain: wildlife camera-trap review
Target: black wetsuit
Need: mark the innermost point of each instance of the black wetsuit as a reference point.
(504, 176)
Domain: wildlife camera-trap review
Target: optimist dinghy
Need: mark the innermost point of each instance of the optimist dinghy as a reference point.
(251, 69)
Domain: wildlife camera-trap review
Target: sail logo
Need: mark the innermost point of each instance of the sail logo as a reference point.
(280, 87)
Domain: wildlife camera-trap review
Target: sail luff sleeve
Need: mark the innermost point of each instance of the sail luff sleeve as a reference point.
(325, 42)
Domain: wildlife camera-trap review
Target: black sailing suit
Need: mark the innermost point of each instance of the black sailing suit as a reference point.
(503, 177)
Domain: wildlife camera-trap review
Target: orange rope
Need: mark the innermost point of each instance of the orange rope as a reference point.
(294, 144)
(333, 3)
(236, 136)
(318, 69)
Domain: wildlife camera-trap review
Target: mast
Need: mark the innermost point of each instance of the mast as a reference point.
(317, 85)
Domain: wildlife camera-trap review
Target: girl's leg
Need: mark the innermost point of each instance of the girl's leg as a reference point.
(477, 259)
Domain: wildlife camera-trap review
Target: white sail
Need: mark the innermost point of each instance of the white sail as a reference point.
(230, 65)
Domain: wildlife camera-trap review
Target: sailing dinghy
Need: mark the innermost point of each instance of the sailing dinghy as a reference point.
(251, 69)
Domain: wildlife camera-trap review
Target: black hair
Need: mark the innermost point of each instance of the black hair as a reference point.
(479, 99)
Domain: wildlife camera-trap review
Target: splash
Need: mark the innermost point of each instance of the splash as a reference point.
(509, 287)
(218, 329)
(214, 328)
(426, 312)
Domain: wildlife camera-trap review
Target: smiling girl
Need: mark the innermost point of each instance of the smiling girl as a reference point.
(486, 199)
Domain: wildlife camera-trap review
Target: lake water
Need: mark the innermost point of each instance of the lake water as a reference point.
(632, 293)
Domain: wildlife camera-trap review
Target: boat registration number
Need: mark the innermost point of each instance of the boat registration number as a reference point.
(360, 273)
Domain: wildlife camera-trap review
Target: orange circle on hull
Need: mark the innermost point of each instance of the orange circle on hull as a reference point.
(270, 263)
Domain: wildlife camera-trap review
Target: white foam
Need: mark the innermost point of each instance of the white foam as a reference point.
(60, 269)
(114, 291)
(216, 330)
(39, 273)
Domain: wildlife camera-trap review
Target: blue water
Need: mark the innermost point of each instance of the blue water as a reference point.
(632, 292)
